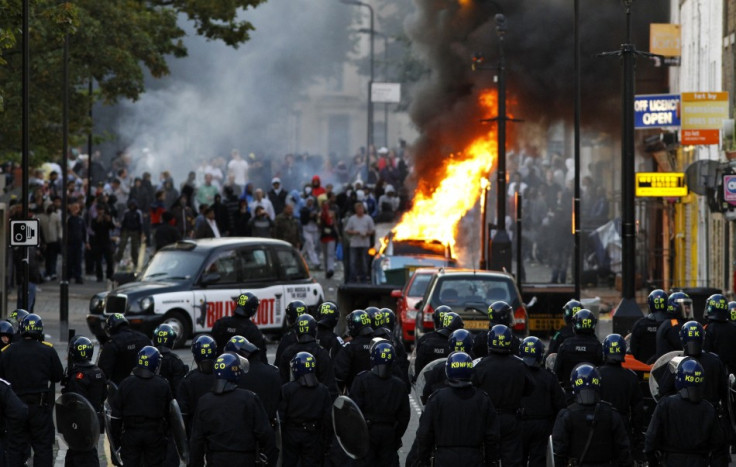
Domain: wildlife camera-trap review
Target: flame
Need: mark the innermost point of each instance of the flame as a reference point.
(438, 208)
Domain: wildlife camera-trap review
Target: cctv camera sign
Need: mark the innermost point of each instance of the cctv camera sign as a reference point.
(25, 233)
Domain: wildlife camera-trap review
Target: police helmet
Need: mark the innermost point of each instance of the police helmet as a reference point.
(585, 381)
(204, 351)
(382, 358)
(293, 310)
(459, 369)
(81, 349)
(500, 312)
(389, 318)
(359, 323)
(531, 352)
(149, 362)
(732, 312)
(689, 380)
(438, 314)
(303, 369)
(328, 315)
(614, 348)
(114, 322)
(657, 301)
(246, 305)
(692, 336)
(499, 339)
(679, 305)
(570, 308)
(16, 316)
(241, 346)
(32, 326)
(228, 371)
(7, 330)
(306, 328)
(461, 340)
(377, 318)
(164, 335)
(584, 321)
(716, 308)
(450, 322)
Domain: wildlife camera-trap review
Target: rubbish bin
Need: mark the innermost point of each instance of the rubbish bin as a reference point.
(699, 296)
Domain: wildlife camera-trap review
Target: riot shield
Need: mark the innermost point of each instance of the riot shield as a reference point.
(663, 371)
(550, 451)
(114, 448)
(422, 379)
(549, 362)
(178, 432)
(277, 436)
(350, 428)
(77, 421)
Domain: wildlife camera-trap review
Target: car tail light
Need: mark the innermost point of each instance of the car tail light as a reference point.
(520, 319)
(428, 321)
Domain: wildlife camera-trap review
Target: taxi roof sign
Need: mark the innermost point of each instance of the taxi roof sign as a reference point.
(661, 184)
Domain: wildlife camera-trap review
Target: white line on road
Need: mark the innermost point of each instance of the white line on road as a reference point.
(417, 407)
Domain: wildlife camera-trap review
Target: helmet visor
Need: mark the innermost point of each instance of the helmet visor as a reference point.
(686, 307)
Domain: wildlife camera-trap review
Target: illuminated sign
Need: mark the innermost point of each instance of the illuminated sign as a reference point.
(661, 184)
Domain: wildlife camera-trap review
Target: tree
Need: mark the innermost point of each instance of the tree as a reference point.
(111, 42)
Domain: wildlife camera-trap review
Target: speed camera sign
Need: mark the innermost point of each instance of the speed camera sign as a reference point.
(25, 233)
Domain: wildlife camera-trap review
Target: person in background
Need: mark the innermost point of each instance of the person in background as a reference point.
(76, 242)
(261, 225)
(360, 227)
(166, 233)
(51, 230)
(101, 245)
(329, 236)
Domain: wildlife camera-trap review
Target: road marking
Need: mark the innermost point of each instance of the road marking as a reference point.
(417, 407)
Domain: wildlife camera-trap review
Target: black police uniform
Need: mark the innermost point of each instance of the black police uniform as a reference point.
(461, 426)
(87, 380)
(668, 336)
(620, 388)
(14, 414)
(562, 334)
(32, 368)
(598, 426)
(538, 412)
(400, 366)
(325, 370)
(236, 325)
(720, 338)
(430, 347)
(434, 379)
(264, 380)
(140, 411)
(505, 378)
(172, 368)
(480, 345)
(575, 350)
(231, 428)
(287, 340)
(119, 355)
(194, 385)
(385, 406)
(328, 340)
(643, 342)
(352, 359)
(684, 432)
(305, 412)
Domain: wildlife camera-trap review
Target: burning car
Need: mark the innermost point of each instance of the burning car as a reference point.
(403, 256)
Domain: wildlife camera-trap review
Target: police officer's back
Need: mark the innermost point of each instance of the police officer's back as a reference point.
(499, 312)
(459, 341)
(720, 333)
(261, 378)
(384, 402)
(240, 324)
(383, 322)
(679, 308)
(684, 429)
(539, 409)
(326, 321)
(305, 410)
(199, 381)
(582, 347)
(230, 426)
(432, 345)
(506, 379)
(119, 354)
(566, 331)
(32, 366)
(172, 367)
(140, 411)
(7, 333)
(459, 423)
(644, 332)
(355, 355)
(292, 311)
(589, 431)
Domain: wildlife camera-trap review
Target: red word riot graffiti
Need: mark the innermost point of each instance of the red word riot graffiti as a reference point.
(265, 313)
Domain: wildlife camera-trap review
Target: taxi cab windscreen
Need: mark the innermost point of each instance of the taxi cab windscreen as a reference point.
(172, 265)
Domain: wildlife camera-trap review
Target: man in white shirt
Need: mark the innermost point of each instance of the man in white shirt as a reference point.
(360, 227)
(238, 167)
(260, 200)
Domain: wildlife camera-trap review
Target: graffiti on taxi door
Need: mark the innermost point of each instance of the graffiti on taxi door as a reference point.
(265, 314)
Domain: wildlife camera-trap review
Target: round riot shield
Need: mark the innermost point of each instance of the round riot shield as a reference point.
(422, 379)
(350, 428)
(77, 421)
(663, 372)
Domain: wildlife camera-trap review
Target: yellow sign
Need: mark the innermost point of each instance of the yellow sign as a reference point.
(661, 184)
(664, 39)
(704, 110)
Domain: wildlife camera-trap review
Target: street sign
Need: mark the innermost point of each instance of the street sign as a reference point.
(661, 184)
(729, 189)
(704, 112)
(25, 233)
(656, 111)
(389, 93)
(664, 39)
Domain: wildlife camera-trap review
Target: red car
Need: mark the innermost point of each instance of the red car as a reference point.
(407, 299)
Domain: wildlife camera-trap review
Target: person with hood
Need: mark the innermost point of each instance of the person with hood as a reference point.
(247, 193)
(317, 188)
(183, 217)
(261, 225)
(277, 195)
(131, 228)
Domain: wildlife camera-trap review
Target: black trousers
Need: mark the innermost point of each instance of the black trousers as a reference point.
(535, 437)
(142, 447)
(299, 445)
(37, 433)
(510, 445)
(82, 458)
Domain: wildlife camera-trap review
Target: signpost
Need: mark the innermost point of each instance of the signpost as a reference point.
(386, 92)
(25, 233)
(703, 114)
(661, 184)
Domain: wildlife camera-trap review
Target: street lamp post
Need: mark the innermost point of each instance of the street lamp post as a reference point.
(385, 38)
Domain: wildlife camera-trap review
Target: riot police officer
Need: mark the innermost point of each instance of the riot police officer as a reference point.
(32, 367)
(261, 378)
(461, 340)
(582, 347)
(566, 331)
(539, 409)
(644, 333)
(140, 411)
(383, 322)
(16, 317)
(172, 367)
(355, 355)
(224, 438)
(384, 401)
(507, 393)
(327, 318)
(120, 352)
(679, 308)
(240, 324)
(589, 431)
(720, 334)
(459, 423)
(498, 313)
(293, 310)
(684, 429)
(7, 333)
(433, 345)
(198, 381)
(305, 410)
(86, 379)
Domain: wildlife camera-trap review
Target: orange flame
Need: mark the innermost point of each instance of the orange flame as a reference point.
(437, 211)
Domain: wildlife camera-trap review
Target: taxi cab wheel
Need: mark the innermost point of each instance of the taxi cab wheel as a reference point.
(179, 322)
